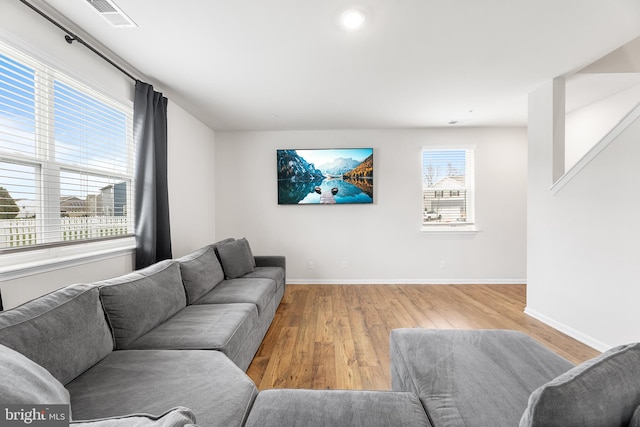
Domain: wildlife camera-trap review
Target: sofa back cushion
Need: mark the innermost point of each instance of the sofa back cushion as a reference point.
(603, 391)
(201, 272)
(26, 382)
(138, 302)
(64, 331)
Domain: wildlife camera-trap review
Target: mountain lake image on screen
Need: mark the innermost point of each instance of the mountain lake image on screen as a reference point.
(325, 176)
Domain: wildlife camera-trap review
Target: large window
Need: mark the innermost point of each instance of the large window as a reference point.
(66, 159)
(448, 189)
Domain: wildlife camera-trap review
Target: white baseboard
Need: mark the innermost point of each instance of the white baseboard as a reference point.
(405, 282)
(583, 338)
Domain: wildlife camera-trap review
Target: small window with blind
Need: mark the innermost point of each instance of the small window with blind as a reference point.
(66, 159)
(448, 190)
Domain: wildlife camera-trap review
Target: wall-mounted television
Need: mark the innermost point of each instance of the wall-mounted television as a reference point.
(325, 176)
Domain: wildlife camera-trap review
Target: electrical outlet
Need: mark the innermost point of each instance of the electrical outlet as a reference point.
(345, 264)
(443, 265)
(310, 265)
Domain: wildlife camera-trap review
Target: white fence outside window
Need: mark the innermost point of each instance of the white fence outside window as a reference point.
(15, 233)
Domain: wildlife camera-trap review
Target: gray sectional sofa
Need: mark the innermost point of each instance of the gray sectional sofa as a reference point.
(168, 346)
(504, 378)
(179, 333)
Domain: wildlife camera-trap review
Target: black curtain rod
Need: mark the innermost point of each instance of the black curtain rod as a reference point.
(70, 37)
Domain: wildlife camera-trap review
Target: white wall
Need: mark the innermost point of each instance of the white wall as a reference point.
(21, 289)
(582, 241)
(379, 243)
(191, 175)
(191, 155)
(588, 125)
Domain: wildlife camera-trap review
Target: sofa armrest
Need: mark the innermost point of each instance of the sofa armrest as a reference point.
(271, 261)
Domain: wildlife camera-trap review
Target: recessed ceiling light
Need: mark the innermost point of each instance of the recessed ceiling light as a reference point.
(352, 19)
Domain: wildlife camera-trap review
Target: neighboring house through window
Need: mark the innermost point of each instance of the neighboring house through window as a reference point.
(448, 188)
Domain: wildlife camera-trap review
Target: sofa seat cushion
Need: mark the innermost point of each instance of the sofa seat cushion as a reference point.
(223, 327)
(154, 381)
(64, 331)
(139, 301)
(481, 377)
(201, 271)
(26, 382)
(274, 273)
(603, 391)
(311, 408)
(255, 291)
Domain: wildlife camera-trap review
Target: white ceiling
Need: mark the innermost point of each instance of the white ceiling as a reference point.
(286, 64)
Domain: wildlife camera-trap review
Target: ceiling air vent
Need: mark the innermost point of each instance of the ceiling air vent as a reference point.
(112, 13)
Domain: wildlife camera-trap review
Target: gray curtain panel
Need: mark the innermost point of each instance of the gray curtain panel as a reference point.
(153, 235)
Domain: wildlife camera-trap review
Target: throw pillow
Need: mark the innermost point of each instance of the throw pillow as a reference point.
(236, 258)
(245, 242)
(176, 417)
(26, 382)
(601, 391)
(635, 419)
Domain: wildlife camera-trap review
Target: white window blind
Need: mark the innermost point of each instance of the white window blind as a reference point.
(66, 158)
(448, 188)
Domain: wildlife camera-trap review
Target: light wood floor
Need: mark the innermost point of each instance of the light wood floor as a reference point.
(337, 336)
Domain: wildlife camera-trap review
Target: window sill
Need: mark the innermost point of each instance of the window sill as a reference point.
(449, 229)
(37, 261)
